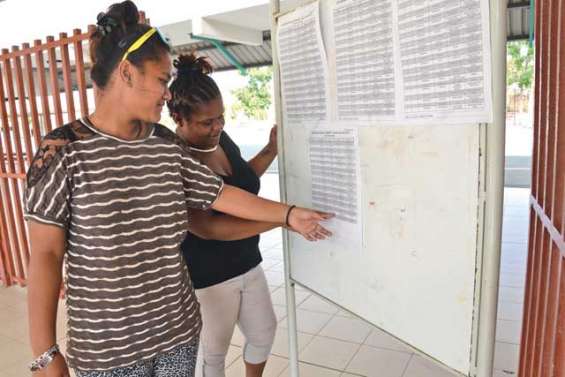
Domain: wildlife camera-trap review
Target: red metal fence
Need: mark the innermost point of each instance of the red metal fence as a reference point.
(543, 332)
(39, 85)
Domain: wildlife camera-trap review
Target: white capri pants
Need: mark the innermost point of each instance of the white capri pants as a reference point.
(246, 301)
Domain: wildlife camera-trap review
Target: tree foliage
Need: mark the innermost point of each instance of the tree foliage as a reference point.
(254, 99)
(520, 65)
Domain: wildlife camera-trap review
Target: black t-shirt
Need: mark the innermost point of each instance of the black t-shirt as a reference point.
(209, 261)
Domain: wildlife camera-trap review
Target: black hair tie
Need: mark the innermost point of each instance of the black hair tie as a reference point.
(105, 23)
(190, 70)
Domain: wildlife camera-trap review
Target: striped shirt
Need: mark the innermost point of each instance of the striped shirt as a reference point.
(124, 207)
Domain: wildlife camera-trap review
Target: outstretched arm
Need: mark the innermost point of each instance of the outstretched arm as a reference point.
(222, 227)
(240, 203)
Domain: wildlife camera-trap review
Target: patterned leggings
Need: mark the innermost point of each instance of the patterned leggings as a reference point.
(180, 362)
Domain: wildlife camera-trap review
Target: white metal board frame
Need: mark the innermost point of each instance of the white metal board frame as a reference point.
(481, 150)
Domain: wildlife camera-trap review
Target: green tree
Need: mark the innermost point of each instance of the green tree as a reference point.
(520, 65)
(254, 99)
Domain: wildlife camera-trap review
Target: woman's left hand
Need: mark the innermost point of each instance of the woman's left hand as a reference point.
(272, 145)
(307, 223)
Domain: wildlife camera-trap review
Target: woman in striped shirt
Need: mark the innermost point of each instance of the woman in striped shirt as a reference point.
(107, 196)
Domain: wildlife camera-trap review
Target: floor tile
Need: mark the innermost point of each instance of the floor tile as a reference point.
(237, 339)
(516, 211)
(267, 264)
(273, 288)
(270, 240)
(511, 294)
(278, 267)
(513, 280)
(14, 326)
(513, 267)
(345, 313)
(380, 339)
(300, 288)
(3, 305)
(234, 353)
(18, 369)
(13, 292)
(515, 257)
(308, 370)
(508, 331)
(377, 362)
(331, 353)
(279, 296)
(275, 366)
(274, 253)
(13, 297)
(420, 367)
(348, 329)
(280, 312)
(12, 351)
(510, 311)
(274, 277)
(515, 237)
(516, 225)
(506, 357)
(280, 346)
(16, 303)
(308, 322)
(513, 248)
(516, 195)
(502, 373)
(272, 257)
(515, 231)
(316, 304)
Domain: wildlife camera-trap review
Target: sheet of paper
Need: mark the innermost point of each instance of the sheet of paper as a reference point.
(335, 169)
(405, 61)
(365, 76)
(303, 66)
(443, 59)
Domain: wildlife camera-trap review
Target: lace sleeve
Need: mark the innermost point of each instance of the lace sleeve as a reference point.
(47, 190)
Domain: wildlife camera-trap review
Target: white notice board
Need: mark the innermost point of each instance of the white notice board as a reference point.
(409, 84)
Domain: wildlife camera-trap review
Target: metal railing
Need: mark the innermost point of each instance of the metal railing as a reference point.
(542, 350)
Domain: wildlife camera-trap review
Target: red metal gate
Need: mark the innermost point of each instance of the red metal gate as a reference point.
(30, 106)
(543, 332)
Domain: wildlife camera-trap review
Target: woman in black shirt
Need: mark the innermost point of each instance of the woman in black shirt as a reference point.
(230, 283)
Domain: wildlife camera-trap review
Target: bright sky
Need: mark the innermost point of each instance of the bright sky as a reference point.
(27, 20)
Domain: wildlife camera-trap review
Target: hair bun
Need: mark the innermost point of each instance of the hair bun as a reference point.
(125, 13)
(191, 64)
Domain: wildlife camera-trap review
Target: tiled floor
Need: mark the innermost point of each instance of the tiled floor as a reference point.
(332, 342)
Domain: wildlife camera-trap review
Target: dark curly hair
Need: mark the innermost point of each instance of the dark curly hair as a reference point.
(116, 30)
(191, 87)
